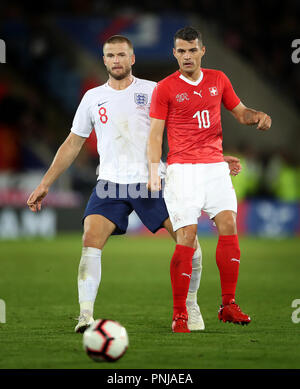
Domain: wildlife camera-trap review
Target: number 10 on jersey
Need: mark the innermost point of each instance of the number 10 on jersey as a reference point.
(203, 118)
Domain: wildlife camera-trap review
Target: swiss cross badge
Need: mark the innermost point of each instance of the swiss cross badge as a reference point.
(213, 91)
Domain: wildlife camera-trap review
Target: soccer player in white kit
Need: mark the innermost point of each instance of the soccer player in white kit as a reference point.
(188, 103)
(119, 113)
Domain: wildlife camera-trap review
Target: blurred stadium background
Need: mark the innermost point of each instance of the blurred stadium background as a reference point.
(53, 55)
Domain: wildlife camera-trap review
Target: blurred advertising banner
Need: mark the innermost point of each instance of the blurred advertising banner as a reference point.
(18, 223)
(261, 218)
(61, 211)
(273, 218)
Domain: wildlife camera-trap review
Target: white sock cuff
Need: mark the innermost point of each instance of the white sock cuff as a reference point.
(191, 297)
(91, 251)
(86, 306)
(197, 253)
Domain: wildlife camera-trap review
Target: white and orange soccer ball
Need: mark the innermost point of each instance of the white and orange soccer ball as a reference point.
(105, 340)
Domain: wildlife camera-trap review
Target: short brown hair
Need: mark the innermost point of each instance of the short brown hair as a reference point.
(188, 34)
(118, 39)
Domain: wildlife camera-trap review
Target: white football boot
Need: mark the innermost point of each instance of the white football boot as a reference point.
(195, 320)
(84, 321)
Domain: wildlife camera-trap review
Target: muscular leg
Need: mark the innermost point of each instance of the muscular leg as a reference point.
(196, 263)
(168, 226)
(195, 320)
(97, 230)
(181, 271)
(227, 254)
(226, 223)
(186, 236)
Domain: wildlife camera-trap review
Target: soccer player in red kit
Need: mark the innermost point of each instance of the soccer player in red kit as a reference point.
(188, 103)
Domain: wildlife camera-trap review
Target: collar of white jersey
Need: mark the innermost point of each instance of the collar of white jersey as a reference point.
(194, 83)
(134, 81)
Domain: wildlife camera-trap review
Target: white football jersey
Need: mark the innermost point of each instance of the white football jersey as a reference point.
(122, 125)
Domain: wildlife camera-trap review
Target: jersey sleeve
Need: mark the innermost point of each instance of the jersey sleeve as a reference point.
(159, 102)
(82, 122)
(229, 97)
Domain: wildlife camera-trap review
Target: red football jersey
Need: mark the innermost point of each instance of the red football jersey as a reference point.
(192, 111)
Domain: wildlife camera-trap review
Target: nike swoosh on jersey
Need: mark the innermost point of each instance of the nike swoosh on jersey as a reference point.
(102, 103)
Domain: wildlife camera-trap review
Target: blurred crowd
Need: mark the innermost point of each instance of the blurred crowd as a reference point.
(22, 122)
(267, 175)
(29, 141)
(260, 31)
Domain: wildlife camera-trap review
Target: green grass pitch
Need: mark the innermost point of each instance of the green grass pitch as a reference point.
(38, 283)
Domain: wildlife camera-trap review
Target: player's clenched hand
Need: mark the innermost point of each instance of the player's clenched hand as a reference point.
(264, 121)
(34, 201)
(154, 183)
(234, 164)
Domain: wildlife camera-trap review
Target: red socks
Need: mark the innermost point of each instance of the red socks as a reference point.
(181, 272)
(228, 261)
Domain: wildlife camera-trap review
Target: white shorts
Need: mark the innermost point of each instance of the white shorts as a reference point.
(191, 188)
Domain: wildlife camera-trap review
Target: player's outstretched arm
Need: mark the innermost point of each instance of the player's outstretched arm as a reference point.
(154, 151)
(249, 116)
(64, 157)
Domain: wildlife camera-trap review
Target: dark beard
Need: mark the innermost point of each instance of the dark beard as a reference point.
(121, 76)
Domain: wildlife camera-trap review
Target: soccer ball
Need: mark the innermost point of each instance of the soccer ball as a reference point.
(105, 340)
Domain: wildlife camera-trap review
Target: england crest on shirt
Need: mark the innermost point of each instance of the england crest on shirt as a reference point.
(141, 98)
(213, 91)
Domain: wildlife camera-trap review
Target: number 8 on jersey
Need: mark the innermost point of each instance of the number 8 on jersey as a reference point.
(103, 116)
